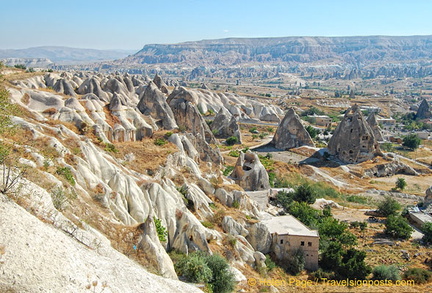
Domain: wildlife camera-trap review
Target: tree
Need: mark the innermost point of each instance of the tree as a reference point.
(427, 232)
(312, 131)
(232, 140)
(397, 227)
(331, 256)
(305, 193)
(353, 265)
(222, 280)
(194, 268)
(297, 261)
(411, 141)
(401, 183)
(388, 207)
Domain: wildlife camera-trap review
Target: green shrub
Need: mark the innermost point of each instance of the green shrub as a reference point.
(66, 173)
(109, 147)
(427, 232)
(20, 66)
(357, 199)
(194, 268)
(411, 141)
(388, 207)
(222, 280)
(59, 199)
(418, 275)
(270, 264)
(384, 272)
(161, 230)
(168, 134)
(305, 193)
(207, 224)
(232, 140)
(236, 204)
(160, 141)
(400, 183)
(397, 227)
(297, 262)
(234, 153)
(353, 265)
(253, 130)
(228, 170)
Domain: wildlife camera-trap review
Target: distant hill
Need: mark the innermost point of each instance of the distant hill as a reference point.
(65, 55)
(234, 51)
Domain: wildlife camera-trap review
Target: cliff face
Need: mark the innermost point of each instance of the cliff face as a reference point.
(353, 50)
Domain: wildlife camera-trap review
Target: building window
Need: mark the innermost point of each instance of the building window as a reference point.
(281, 242)
(309, 244)
(302, 243)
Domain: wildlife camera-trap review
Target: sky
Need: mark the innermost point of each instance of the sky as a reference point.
(131, 24)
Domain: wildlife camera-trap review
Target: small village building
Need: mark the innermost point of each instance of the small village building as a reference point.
(388, 124)
(321, 120)
(289, 235)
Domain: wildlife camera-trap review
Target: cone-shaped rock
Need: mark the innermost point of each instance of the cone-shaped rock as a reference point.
(249, 173)
(64, 87)
(188, 117)
(225, 125)
(424, 110)
(353, 140)
(291, 133)
(160, 84)
(373, 123)
(153, 102)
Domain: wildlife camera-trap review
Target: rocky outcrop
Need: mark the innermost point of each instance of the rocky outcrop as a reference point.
(353, 140)
(154, 251)
(158, 81)
(428, 196)
(230, 226)
(225, 125)
(424, 110)
(92, 85)
(259, 237)
(373, 123)
(189, 119)
(64, 87)
(291, 133)
(249, 173)
(153, 102)
(390, 169)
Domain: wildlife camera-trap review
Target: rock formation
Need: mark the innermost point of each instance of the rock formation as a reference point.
(291, 133)
(428, 196)
(225, 125)
(373, 123)
(353, 140)
(153, 102)
(424, 110)
(64, 87)
(249, 173)
(183, 104)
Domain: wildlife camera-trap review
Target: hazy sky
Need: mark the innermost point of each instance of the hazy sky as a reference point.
(130, 24)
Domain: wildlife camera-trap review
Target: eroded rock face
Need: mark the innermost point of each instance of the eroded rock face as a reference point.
(259, 237)
(225, 125)
(153, 102)
(353, 140)
(390, 169)
(373, 123)
(189, 119)
(249, 173)
(291, 133)
(424, 110)
(428, 195)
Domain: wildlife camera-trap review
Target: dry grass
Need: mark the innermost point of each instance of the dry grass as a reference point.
(148, 156)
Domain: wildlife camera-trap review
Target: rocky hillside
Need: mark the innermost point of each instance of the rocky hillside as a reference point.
(353, 50)
(98, 163)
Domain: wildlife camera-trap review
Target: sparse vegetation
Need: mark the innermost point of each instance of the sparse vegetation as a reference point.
(67, 174)
(160, 141)
(161, 230)
(384, 272)
(427, 233)
(418, 275)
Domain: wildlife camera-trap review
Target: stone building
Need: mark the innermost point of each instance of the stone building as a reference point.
(289, 235)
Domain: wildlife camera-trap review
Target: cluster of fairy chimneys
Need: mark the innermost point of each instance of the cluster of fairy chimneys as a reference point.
(354, 140)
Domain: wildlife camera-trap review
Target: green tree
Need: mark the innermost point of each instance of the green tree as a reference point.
(401, 183)
(411, 141)
(331, 229)
(397, 227)
(222, 280)
(161, 230)
(331, 256)
(418, 275)
(305, 193)
(388, 207)
(353, 265)
(427, 232)
(232, 140)
(312, 131)
(384, 272)
(304, 213)
(194, 268)
(297, 261)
